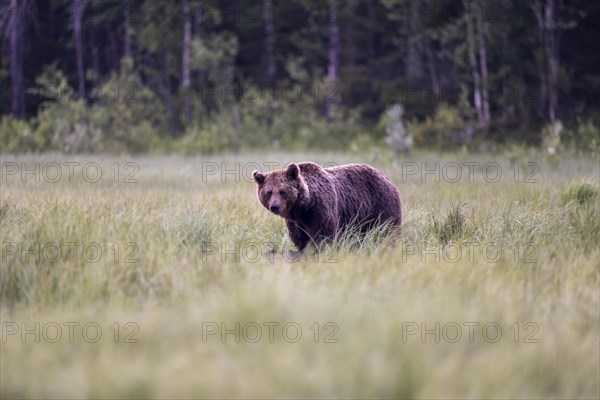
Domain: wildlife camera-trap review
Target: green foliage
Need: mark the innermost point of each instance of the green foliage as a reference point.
(389, 51)
(300, 127)
(265, 124)
(63, 120)
(126, 117)
(449, 127)
(214, 55)
(584, 137)
(17, 136)
(128, 114)
(587, 135)
(214, 137)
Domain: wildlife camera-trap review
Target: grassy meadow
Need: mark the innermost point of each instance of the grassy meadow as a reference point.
(164, 277)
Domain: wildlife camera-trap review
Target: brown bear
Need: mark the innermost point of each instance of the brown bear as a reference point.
(319, 203)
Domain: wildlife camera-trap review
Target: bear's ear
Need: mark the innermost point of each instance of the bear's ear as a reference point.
(258, 177)
(292, 171)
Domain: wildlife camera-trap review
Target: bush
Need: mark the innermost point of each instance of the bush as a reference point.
(449, 127)
(215, 137)
(128, 114)
(585, 137)
(17, 136)
(66, 127)
(297, 126)
(63, 120)
(125, 117)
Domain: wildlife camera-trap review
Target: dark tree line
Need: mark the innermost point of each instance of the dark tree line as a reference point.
(516, 64)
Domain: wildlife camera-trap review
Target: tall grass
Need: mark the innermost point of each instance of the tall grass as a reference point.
(185, 250)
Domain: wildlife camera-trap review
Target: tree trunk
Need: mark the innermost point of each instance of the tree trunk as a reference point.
(78, 9)
(483, 65)
(200, 73)
(350, 33)
(17, 14)
(549, 36)
(269, 40)
(235, 123)
(371, 40)
(474, 69)
(553, 46)
(164, 88)
(432, 67)
(332, 68)
(413, 61)
(95, 56)
(112, 51)
(127, 39)
(185, 62)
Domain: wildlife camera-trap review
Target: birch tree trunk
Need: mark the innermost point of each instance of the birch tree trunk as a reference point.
(549, 36)
(164, 88)
(198, 15)
(269, 40)
(483, 66)
(332, 68)
(17, 105)
(78, 9)
(371, 41)
(95, 55)
(432, 67)
(185, 61)
(127, 39)
(348, 32)
(474, 68)
(413, 61)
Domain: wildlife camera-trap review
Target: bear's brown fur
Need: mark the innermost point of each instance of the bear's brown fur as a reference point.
(318, 203)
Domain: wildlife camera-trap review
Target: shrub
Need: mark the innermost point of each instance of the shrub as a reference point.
(585, 136)
(17, 136)
(214, 137)
(63, 121)
(128, 114)
(449, 127)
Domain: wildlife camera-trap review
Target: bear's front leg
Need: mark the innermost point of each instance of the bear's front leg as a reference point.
(297, 235)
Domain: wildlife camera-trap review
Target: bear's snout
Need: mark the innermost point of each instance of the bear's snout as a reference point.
(275, 208)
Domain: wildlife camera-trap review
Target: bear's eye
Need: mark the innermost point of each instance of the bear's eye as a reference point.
(282, 193)
(269, 193)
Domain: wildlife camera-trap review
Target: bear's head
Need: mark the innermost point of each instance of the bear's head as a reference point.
(282, 191)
